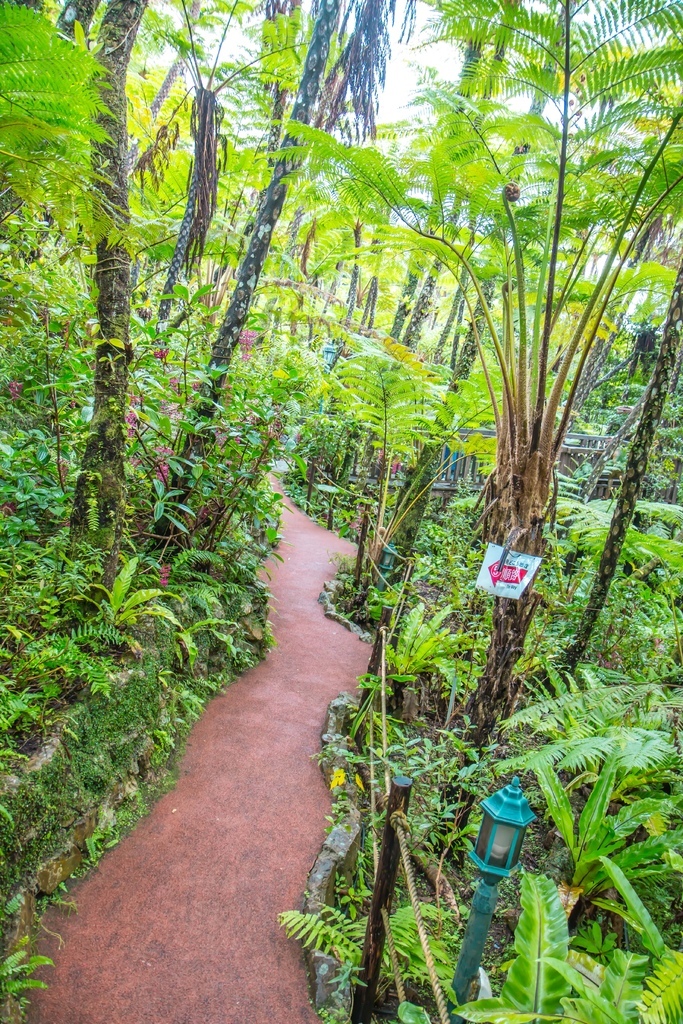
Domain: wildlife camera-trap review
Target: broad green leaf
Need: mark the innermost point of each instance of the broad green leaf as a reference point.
(652, 939)
(592, 820)
(409, 1013)
(623, 984)
(533, 985)
(558, 803)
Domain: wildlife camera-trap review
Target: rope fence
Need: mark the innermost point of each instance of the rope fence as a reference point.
(396, 829)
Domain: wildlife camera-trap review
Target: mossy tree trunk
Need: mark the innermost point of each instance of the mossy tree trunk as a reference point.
(352, 297)
(455, 313)
(422, 309)
(82, 11)
(636, 468)
(269, 212)
(404, 306)
(99, 508)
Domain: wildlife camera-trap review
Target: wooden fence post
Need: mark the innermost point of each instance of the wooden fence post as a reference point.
(362, 537)
(311, 481)
(376, 656)
(373, 947)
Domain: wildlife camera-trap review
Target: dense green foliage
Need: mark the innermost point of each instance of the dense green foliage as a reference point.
(455, 329)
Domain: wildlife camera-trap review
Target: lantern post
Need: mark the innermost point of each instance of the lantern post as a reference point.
(507, 816)
(386, 564)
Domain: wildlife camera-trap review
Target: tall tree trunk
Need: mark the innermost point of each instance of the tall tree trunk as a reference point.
(404, 305)
(636, 468)
(455, 313)
(98, 513)
(422, 308)
(355, 276)
(82, 11)
(368, 319)
(252, 265)
(180, 251)
(610, 450)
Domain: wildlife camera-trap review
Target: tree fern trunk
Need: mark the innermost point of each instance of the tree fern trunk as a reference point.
(99, 506)
(421, 310)
(180, 251)
(252, 265)
(404, 305)
(456, 311)
(368, 319)
(636, 468)
(82, 11)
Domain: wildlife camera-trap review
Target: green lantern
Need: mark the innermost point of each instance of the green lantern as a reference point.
(329, 356)
(386, 564)
(507, 816)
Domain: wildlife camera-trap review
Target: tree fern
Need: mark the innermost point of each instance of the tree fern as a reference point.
(48, 104)
(662, 1001)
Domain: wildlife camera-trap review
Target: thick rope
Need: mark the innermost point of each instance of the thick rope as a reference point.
(400, 823)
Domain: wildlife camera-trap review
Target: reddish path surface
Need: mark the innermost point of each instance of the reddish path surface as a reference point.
(178, 924)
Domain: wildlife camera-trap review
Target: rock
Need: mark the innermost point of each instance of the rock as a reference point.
(327, 992)
(58, 870)
(84, 828)
(338, 853)
(44, 755)
(411, 706)
(511, 918)
(253, 629)
(10, 1011)
(20, 925)
(339, 713)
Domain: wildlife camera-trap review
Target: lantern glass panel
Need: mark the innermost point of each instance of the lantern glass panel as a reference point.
(514, 859)
(503, 840)
(482, 846)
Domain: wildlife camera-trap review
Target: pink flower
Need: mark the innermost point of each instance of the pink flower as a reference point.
(161, 354)
(395, 466)
(162, 472)
(164, 573)
(15, 389)
(246, 342)
(196, 384)
(175, 384)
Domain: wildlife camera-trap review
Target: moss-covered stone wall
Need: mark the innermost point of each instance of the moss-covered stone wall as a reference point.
(105, 743)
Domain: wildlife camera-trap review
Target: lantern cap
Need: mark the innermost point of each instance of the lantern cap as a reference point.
(509, 806)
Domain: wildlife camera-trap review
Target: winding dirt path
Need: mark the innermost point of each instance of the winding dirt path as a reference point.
(178, 924)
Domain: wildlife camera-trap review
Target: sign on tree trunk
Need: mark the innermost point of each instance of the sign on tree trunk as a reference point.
(506, 574)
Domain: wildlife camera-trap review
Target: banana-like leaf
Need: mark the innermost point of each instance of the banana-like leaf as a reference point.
(558, 804)
(494, 1011)
(623, 983)
(532, 984)
(592, 820)
(650, 934)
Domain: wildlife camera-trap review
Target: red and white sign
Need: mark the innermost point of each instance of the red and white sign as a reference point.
(512, 577)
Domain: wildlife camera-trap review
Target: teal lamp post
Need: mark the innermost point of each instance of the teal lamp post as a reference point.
(329, 359)
(496, 853)
(329, 355)
(386, 564)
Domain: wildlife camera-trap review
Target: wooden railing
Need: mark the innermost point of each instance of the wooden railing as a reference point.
(460, 468)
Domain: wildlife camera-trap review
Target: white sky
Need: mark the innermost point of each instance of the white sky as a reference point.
(403, 70)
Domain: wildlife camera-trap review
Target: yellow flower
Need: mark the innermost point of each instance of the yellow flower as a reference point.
(338, 779)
